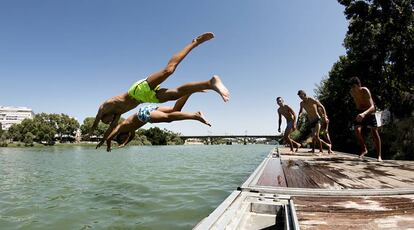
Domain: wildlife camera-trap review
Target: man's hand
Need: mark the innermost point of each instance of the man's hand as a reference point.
(100, 144)
(360, 117)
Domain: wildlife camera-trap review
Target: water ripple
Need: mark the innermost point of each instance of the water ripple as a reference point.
(167, 187)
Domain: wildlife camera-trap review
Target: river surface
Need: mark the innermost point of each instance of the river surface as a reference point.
(139, 187)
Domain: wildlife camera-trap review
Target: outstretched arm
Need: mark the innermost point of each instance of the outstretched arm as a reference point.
(131, 136)
(96, 122)
(111, 127)
(111, 136)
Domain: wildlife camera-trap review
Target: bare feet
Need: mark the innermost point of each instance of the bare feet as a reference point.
(363, 154)
(204, 37)
(218, 86)
(201, 118)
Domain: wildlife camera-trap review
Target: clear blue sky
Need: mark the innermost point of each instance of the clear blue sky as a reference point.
(68, 57)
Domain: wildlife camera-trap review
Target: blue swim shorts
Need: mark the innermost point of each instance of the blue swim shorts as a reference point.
(145, 111)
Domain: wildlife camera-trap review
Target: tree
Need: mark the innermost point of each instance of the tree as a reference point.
(380, 51)
(28, 139)
(65, 125)
(156, 136)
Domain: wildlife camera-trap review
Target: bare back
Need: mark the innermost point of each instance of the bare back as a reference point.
(118, 104)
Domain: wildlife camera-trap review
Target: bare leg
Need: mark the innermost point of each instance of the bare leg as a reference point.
(159, 116)
(157, 78)
(358, 133)
(319, 141)
(214, 83)
(288, 140)
(377, 141)
(313, 142)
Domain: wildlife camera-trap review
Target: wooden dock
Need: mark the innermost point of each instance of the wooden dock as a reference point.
(309, 191)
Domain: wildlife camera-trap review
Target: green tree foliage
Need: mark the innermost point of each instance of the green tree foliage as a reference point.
(43, 128)
(3, 137)
(140, 138)
(99, 131)
(380, 51)
(156, 136)
(162, 137)
(65, 125)
(87, 125)
(28, 139)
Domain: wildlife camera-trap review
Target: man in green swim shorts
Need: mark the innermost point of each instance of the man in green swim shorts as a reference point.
(125, 131)
(148, 90)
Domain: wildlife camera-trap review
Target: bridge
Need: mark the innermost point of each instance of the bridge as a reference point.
(210, 139)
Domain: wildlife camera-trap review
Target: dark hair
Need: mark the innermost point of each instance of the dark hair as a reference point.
(278, 98)
(301, 91)
(121, 138)
(355, 81)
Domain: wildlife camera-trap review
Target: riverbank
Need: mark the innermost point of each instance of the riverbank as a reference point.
(37, 145)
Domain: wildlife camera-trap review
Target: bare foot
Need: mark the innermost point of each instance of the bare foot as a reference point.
(363, 154)
(204, 37)
(201, 118)
(298, 146)
(379, 159)
(218, 86)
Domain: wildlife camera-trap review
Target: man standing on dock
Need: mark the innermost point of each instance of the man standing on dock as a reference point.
(290, 117)
(366, 115)
(310, 105)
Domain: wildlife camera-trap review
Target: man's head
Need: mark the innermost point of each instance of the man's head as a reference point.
(279, 101)
(302, 94)
(354, 82)
(122, 138)
(107, 118)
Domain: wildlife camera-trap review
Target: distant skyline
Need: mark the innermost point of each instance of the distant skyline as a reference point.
(70, 56)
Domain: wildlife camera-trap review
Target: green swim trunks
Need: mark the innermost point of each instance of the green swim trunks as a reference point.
(142, 92)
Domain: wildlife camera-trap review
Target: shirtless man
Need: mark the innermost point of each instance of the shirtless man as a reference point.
(290, 117)
(365, 117)
(310, 105)
(148, 90)
(125, 131)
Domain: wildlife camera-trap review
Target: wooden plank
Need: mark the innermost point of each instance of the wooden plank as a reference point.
(295, 176)
(346, 172)
(273, 174)
(320, 178)
(396, 212)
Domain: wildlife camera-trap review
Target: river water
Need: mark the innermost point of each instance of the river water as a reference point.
(139, 187)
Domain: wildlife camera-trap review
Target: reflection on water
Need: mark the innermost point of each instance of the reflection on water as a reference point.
(168, 187)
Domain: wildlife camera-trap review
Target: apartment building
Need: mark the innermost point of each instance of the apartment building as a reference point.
(10, 115)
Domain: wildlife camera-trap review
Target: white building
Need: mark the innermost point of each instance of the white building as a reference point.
(13, 115)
